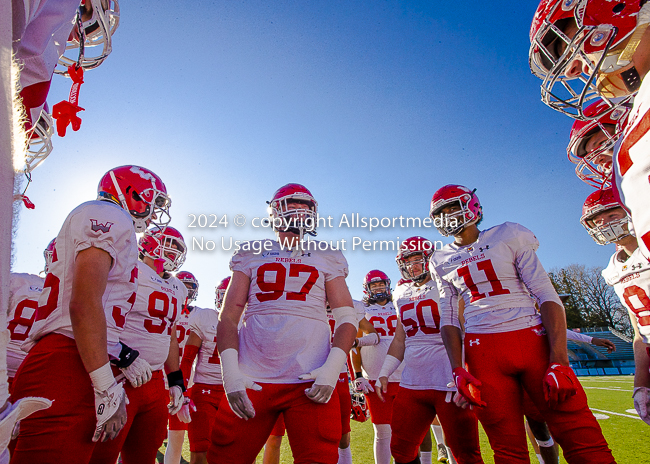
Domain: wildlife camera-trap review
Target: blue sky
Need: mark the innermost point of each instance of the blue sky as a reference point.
(371, 105)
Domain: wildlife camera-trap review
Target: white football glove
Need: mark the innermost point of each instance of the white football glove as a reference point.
(325, 376)
(185, 414)
(10, 418)
(642, 403)
(138, 372)
(363, 385)
(175, 399)
(235, 384)
(110, 409)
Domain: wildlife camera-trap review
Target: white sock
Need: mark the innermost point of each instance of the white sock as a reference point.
(425, 457)
(437, 434)
(381, 445)
(540, 458)
(174, 449)
(345, 456)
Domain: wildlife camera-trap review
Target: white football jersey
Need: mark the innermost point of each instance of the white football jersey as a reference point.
(632, 166)
(203, 322)
(157, 307)
(24, 291)
(631, 282)
(426, 365)
(285, 332)
(384, 319)
(497, 276)
(99, 224)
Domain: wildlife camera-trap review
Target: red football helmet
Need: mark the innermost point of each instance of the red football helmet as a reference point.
(167, 247)
(95, 24)
(49, 254)
(220, 292)
(139, 191)
(612, 231)
(298, 221)
(359, 411)
(601, 26)
(190, 283)
(470, 209)
(372, 277)
(592, 168)
(414, 246)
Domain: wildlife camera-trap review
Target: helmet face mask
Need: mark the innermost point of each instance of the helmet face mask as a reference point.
(220, 293)
(414, 269)
(469, 209)
(165, 246)
(370, 284)
(594, 167)
(40, 141)
(92, 34)
(286, 217)
(48, 254)
(191, 284)
(595, 34)
(610, 231)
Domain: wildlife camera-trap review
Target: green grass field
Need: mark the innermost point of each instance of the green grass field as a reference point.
(610, 397)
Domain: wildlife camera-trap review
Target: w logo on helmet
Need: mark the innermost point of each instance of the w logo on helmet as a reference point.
(97, 227)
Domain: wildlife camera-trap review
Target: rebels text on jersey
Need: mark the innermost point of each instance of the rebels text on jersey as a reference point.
(426, 365)
(632, 166)
(384, 320)
(497, 276)
(285, 332)
(99, 224)
(631, 282)
(157, 307)
(24, 291)
(203, 322)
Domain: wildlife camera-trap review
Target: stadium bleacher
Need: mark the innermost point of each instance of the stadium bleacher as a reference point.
(588, 359)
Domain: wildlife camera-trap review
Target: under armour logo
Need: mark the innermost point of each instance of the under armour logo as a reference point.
(474, 342)
(100, 409)
(482, 249)
(540, 332)
(97, 227)
(205, 392)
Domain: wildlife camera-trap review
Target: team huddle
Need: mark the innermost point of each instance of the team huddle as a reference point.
(114, 358)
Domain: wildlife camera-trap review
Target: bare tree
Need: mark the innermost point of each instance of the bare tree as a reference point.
(593, 303)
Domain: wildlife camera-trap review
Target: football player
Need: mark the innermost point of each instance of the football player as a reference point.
(424, 390)
(281, 361)
(591, 145)
(629, 273)
(24, 292)
(605, 48)
(379, 311)
(177, 427)
(207, 391)
(150, 328)
(90, 287)
(496, 272)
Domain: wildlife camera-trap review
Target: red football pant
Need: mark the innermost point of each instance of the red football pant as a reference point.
(206, 399)
(507, 363)
(314, 429)
(413, 412)
(175, 423)
(381, 412)
(63, 433)
(145, 427)
(278, 428)
(345, 402)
